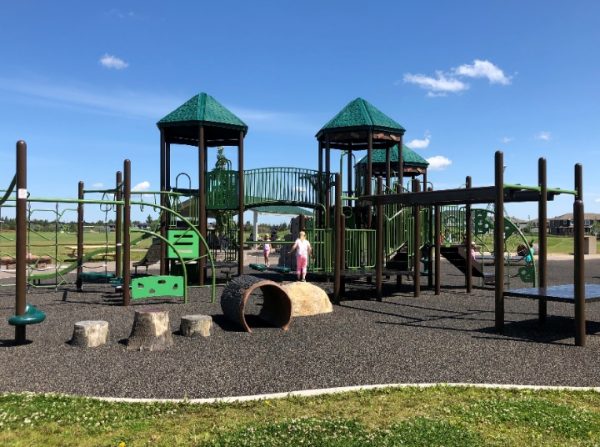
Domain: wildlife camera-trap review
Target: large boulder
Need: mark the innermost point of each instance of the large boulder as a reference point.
(307, 299)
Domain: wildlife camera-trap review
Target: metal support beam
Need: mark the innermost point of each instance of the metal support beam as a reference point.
(80, 218)
(542, 237)
(438, 231)
(21, 240)
(579, 279)
(163, 202)
(202, 202)
(417, 246)
(379, 245)
(126, 232)
(119, 226)
(337, 267)
(241, 204)
(468, 243)
(327, 183)
(499, 240)
(579, 273)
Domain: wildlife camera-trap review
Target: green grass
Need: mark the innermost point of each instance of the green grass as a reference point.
(438, 416)
(56, 245)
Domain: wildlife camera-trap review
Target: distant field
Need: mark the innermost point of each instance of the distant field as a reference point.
(47, 243)
(59, 245)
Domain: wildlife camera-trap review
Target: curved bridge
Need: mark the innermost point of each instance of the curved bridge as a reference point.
(264, 186)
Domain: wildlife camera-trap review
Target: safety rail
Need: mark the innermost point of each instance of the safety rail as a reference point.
(321, 241)
(360, 249)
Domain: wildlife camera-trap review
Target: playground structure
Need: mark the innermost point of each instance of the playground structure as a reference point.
(376, 227)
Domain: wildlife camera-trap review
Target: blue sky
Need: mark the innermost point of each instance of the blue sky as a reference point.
(85, 82)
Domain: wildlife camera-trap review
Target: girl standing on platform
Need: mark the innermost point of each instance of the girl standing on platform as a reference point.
(303, 251)
(267, 250)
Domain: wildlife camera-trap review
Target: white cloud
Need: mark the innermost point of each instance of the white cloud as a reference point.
(483, 69)
(110, 61)
(438, 163)
(98, 185)
(597, 200)
(143, 186)
(449, 82)
(544, 136)
(438, 86)
(420, 144)
(507, 140)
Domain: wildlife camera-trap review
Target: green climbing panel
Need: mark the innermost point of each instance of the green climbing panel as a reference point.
(509, 228)
(527, 274)
(186, 242)
(157, 286)
(482, 224)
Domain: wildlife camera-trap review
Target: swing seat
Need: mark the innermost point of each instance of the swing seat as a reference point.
(32, 315)
(258, 267)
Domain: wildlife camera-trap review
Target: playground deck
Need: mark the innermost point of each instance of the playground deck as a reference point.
(448, 338)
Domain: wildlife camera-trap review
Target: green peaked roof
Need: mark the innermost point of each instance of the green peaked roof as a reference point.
(362, 114)
(203, 109)
(409, 156)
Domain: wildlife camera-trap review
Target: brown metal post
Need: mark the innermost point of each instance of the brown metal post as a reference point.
(319, 214)
(126, 234)
(542, 237)
(417, 246)
(80, 196)
(438, 230)
(119, 226)
(431, 244)
(167, 200)
(579, 181)
(337, 267)
(379, 244)
(202, 202)
(579, 278)
(327, 183)
(301, 222)
(241, 204)
(400, 165)
(350, 168)
(399, 191)
(163, 202)
(21, 242)
(388, 167)
(468, 243)
(369, 179)
(499, 241)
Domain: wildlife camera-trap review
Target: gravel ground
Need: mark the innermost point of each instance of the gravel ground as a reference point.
(446, 338)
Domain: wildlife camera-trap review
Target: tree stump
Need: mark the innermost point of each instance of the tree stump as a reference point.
(195, 325)
(150, 331)
(276, 309)
(90, 333)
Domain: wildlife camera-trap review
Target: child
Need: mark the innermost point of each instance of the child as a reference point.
(303, 251)
(267, 250)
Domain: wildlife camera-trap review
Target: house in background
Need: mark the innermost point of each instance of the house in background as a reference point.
(563, 225)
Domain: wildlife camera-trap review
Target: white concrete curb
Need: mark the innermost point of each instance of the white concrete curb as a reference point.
(344, 389)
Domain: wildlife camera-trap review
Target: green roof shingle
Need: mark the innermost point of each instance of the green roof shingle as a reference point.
(408, 156)
(362, 114)
(203, 109)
